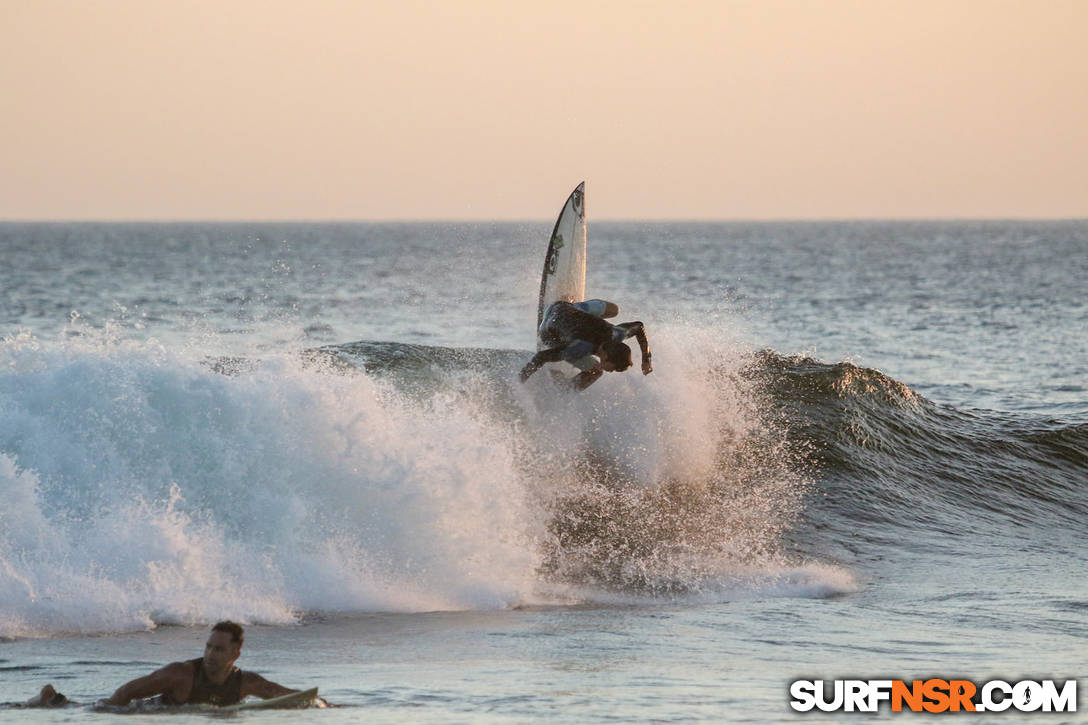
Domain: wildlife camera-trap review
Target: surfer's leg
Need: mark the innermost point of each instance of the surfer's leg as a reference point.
(585, 379)
(580, 354)
(599, 308)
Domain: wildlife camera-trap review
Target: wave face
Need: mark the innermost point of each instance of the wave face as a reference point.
(897, 469)
(146, 485)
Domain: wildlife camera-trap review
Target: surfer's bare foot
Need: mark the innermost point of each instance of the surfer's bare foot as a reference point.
(48, 697)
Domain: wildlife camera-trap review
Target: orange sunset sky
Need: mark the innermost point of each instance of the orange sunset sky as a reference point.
(480, 109)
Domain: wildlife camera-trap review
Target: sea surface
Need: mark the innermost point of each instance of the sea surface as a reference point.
(863, 453)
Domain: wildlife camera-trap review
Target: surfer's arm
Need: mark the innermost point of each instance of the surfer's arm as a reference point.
(254, 684)
(170, 679)
(636, 330)
(554, 354)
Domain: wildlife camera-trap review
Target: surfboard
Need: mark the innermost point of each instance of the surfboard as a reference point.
(295, 699)
(564, 275)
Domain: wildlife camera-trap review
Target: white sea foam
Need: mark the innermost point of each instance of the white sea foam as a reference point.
(142, 488)
(766, 581)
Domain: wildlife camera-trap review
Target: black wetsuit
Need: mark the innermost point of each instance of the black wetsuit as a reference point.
(565, 324)
(574, 334)
(206, 692)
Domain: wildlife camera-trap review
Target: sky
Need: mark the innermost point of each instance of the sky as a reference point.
(489, 109)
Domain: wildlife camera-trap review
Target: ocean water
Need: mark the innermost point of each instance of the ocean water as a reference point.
(863, 453)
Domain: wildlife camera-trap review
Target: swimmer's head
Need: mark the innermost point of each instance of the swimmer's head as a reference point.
(617, 357)
(224, 646)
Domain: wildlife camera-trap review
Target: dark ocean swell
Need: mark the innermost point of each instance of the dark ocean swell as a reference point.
(886, 457)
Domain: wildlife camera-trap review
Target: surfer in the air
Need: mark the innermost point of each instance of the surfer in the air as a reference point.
(577, 333)
(212, 679)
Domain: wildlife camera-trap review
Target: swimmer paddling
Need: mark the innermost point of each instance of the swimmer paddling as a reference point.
(212, 679)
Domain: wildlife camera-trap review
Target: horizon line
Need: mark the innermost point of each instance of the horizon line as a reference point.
(539, 220)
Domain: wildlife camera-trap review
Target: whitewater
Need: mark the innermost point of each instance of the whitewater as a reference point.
(863, 451)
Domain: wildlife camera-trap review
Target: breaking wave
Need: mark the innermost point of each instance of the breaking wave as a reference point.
(145, 486)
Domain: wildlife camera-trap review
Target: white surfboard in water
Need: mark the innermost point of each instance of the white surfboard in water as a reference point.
(293, 700)
(564, 275)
